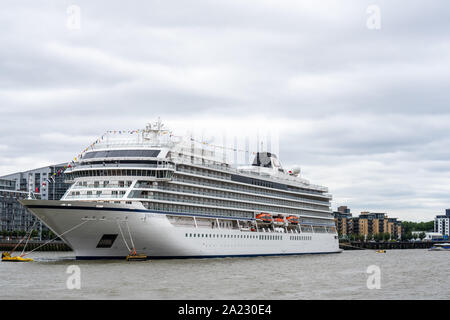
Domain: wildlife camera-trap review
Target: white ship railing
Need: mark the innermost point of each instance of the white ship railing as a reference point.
(107, 166)
(95, 196)
(101, 186)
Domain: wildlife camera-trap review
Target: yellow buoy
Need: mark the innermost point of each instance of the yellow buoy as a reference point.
(381, 251)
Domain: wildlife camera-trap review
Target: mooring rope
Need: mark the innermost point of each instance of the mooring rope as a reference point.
(129, 232)
(25, 245)
(57, 236)
(31, 230)
(125, 241)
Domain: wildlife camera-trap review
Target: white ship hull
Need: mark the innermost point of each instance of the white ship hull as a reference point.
(155, 236)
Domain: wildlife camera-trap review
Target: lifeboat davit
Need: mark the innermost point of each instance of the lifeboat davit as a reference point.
(264, 217)
(292, 219)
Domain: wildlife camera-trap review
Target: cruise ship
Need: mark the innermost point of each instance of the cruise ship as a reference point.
(167, 196)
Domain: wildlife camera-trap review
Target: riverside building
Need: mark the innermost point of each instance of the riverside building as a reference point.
(43, 183)
(442, 223)
(343, 220)
(366, 224)
(13, 216)
(48, 182)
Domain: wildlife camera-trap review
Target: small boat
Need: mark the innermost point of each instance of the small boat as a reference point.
(380, 251)
(6, 257)
(136, 257)
(264, 217)
(292, 219)
(440, 247)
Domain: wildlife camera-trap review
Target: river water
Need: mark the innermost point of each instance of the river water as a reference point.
(399, 274)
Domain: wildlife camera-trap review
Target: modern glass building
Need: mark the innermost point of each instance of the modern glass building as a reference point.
(48, 181)
(442, 224)
(13, 216)
(45, 183)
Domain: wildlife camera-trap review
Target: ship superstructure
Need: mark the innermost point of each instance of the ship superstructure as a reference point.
(172, 196)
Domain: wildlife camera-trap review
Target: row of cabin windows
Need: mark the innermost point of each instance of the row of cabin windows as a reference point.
(249, 189)
(224, 203)
(129, 172)
(256, 182)
(300, 238)
(234, 236)
(261, 183)
(98, 193)
(237, 196)
(104, 184)
(205, 172)
(126, 202)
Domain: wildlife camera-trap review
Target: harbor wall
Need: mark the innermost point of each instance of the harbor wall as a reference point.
(382, 245)
(6, 245)
(53, 246)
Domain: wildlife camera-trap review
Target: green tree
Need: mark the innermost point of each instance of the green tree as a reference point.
(422, 235)
(47, 235)
(409, 226)
(407, 236)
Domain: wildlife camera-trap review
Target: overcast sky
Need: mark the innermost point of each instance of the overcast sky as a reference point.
(359, 98)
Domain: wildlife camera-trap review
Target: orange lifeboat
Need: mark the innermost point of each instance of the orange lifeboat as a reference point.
(264, 217)
(278, 221)
(292, 219)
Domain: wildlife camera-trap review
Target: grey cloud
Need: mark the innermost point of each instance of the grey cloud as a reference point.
(364, 112)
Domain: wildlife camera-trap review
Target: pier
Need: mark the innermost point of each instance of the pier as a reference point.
(360, 245)
(7, 245)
